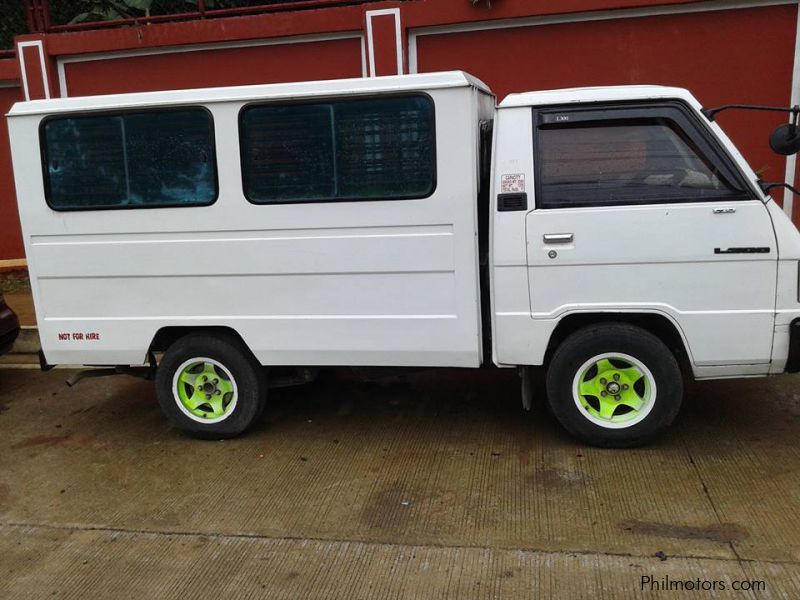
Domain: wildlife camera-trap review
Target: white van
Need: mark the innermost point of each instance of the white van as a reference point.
(614, 235)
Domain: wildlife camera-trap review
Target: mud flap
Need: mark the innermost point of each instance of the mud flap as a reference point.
(526, 387)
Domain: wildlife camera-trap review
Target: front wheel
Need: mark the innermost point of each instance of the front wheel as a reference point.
(614, 385)
(209, 386)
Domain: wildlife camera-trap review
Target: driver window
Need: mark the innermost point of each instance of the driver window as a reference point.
(624, 161)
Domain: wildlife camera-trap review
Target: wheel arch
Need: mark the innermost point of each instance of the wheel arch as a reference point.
(166, 336)
(659, 324)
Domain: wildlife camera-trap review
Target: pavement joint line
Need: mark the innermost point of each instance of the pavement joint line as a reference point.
(289, 538)
(712, 503)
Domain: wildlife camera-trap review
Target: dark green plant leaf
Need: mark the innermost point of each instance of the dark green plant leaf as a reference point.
(139, 4)
(80, 18)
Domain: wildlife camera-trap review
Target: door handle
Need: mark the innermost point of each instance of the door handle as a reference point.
(724, 211)
(558, 238)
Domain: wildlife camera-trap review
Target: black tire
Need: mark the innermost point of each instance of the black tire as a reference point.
(236, 360)
(594, 341)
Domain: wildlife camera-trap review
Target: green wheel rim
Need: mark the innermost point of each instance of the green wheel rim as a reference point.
(614, 390)
(204, 390)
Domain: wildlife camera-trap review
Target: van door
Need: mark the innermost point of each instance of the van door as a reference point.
(639, 209)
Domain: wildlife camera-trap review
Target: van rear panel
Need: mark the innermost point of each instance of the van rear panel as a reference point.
(349, 278)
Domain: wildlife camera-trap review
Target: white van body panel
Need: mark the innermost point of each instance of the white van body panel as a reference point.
(660, 259)
(339, 88)
(516, 338)
(397, 282)
(656, 259)
(338, 283)
(787, 298)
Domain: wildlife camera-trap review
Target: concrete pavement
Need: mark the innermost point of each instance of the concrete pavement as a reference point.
(437, 487)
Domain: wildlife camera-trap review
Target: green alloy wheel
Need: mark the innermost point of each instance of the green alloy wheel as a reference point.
(614, 385)
(205, 390)
(614, 390)
(210, 386)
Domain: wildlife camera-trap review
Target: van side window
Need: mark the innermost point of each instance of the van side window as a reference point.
(155, 158)
(625, 161)
(371, 149)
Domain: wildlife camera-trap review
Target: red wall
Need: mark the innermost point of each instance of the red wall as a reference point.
(219, 67)
(10, 235)
(741, 55)
(384, 27)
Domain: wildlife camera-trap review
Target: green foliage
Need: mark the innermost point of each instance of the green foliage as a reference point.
(109, 10)
(12, 22)
(81, 11)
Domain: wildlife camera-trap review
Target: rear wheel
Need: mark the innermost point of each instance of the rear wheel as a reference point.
(614, 385)
(209, 386)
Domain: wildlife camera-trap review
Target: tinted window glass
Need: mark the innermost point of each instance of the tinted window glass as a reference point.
(374, 149)
(157, 158)
(640, 161)
(288, 152)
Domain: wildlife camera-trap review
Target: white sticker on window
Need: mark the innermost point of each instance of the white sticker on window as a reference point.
(511, 184)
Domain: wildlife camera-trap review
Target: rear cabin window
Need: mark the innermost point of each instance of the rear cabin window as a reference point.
(372, 149)
(637, 161)
(136, 159)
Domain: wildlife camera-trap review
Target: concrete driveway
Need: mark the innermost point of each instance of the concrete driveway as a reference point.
(437, 487)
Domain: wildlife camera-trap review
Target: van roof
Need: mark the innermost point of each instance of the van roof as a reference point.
(306, 89)
(599, 94)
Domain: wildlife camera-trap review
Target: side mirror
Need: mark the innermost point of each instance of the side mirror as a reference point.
(785, 139)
